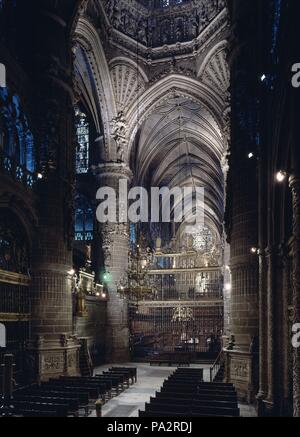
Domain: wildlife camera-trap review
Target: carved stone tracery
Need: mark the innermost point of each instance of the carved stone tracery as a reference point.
(157, 27)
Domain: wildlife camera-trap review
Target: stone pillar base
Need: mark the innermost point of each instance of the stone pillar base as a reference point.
(51, 358)
(241, 370)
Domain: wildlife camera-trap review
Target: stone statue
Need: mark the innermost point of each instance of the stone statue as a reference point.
(116, 17)
(142, 32)
(194, 27)
(179, 32)
(119, 134)
(165, 32)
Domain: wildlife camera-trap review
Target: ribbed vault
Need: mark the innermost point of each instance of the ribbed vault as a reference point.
(180, 144)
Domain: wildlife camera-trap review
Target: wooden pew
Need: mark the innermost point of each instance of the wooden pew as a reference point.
(159, 406)
(59, 410)
(82, 398)
(73, 404)
(93, 392)
(132, 370)
(199, 396)
(194, 402)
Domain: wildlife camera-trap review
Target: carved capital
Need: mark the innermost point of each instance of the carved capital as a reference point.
(112, 170)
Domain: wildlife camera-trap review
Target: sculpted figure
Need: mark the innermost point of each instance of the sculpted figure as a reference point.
(119, 132)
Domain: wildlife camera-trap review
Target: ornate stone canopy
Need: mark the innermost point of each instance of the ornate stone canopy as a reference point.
(162, 22)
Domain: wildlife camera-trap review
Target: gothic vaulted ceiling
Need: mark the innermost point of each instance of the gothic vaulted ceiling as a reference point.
(155, 81)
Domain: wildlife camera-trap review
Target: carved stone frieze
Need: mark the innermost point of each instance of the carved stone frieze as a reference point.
(184, 23)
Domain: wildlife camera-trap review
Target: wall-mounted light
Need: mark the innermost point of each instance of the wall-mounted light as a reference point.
(281, 176)
(40, 176)
(103, 295)
(254, 250)
(71, 272)
(263, 77)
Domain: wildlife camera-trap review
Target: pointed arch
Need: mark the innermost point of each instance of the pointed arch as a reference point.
(95, 76)
(162, 90)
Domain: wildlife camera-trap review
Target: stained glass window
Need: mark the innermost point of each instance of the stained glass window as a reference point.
(133, 239)
(83, 143)
(84, 220)
(16, 139)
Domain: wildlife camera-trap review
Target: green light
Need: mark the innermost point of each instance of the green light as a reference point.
(106, 277)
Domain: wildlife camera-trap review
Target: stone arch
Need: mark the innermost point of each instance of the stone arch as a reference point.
(129, 82)
(214, 71)
(98, 84)
(161, 91)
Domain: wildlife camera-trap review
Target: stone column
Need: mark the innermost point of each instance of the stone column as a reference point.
(283, 344)
(242, 209)
(263, 375)
(270, 317)
(115, 246)
(53, 348)
(295, 187)
(242, 359)
(262, 238)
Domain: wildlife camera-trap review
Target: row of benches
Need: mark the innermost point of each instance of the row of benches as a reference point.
(72, 396)
(184, 394)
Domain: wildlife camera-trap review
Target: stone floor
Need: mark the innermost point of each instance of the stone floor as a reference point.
(150, 379)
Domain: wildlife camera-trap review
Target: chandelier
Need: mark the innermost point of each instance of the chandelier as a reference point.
(136, 285)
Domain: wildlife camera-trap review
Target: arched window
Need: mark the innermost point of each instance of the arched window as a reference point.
(16, 139)
(133, 239)
(83, 143)
(84, 220)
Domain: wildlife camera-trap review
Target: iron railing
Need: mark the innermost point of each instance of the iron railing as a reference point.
(214, 370)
